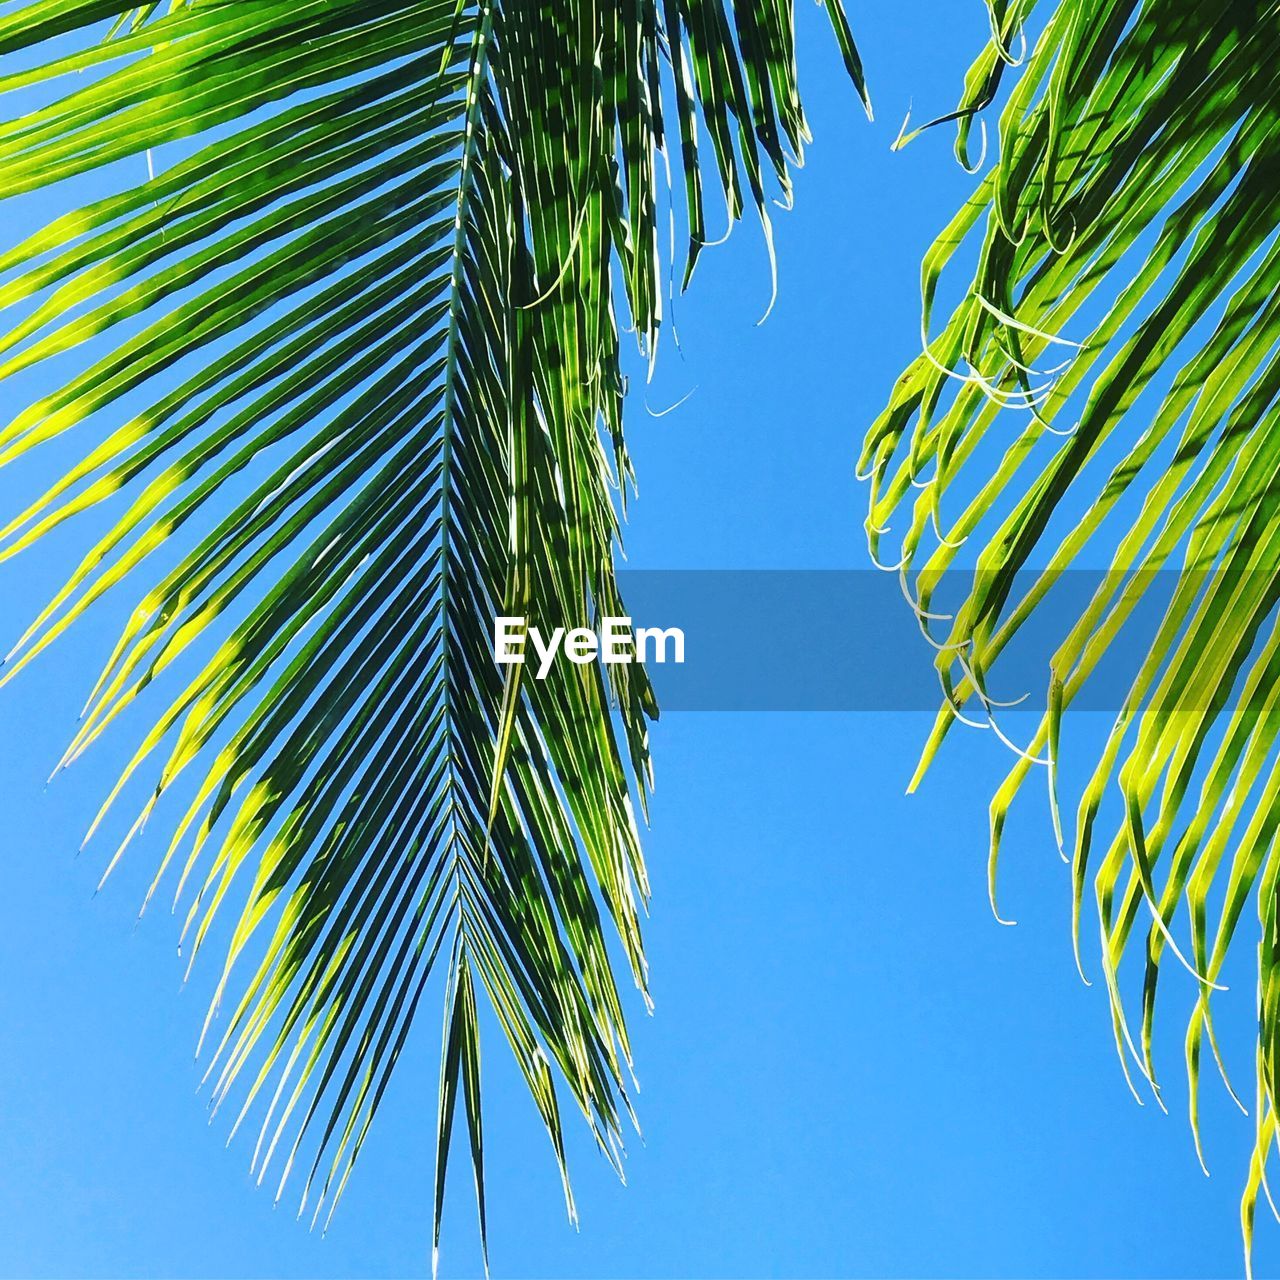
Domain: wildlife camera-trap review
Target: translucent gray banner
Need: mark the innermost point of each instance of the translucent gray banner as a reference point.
(848, 640)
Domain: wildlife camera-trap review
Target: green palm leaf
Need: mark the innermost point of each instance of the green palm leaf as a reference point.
(346, 374)
(1126, 243)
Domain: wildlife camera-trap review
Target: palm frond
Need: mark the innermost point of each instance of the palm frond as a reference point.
(346, 373)
(1126, 244)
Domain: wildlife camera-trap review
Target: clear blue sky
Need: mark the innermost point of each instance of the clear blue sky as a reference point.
(852, 1070)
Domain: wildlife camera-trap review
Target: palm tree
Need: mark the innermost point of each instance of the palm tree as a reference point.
(1126, 246)
(345, 362)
